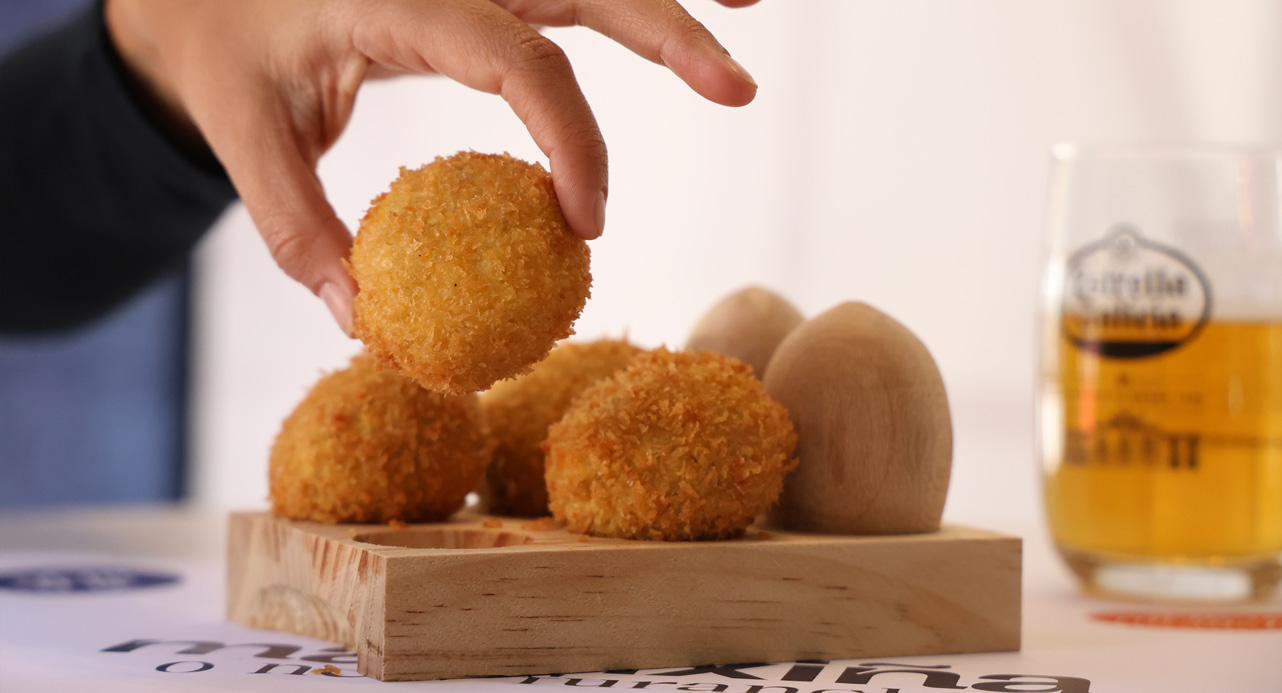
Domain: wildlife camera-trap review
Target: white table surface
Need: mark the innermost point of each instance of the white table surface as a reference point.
(55, 641)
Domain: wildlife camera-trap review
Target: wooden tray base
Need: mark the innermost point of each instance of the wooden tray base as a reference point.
(484, 596)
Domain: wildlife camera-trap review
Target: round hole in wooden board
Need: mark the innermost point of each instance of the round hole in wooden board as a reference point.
(444, 538)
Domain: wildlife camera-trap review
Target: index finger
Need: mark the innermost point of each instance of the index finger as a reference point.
(660, 31)
(485, 47)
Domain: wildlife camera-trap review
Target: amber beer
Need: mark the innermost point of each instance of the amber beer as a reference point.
(1176, 456)
(1161, 417)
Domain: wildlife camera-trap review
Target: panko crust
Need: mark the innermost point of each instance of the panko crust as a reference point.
(372, 446)
(678, 446)
(520, 411)
(468, 273)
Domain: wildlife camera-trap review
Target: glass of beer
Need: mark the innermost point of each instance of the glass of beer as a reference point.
(1160, 382)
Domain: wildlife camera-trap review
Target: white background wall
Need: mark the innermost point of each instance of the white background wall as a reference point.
(896, 154)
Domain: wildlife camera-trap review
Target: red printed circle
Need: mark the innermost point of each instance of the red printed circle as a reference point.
(1221, 621)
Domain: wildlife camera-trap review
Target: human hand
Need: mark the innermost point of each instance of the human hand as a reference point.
(271, 85)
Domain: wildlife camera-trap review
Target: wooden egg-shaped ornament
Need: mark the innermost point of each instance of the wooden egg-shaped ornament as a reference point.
(875, 438)
(746, 325)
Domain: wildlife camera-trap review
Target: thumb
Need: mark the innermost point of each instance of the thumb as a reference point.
(279, 187)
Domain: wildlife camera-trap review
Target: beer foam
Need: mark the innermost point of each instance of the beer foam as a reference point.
(1244, 288)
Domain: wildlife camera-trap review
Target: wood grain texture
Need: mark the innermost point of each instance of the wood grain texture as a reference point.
(874, 432)
(530, 601)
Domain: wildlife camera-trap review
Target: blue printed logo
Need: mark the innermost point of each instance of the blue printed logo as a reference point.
(85, 579)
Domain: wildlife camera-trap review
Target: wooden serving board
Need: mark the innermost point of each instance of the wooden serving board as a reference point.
(482, 596)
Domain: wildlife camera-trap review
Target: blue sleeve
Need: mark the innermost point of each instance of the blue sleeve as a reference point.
(95, 201)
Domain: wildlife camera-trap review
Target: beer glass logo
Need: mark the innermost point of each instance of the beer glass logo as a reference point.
(1126, 297)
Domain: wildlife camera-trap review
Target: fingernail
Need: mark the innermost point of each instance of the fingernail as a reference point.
(600, 213)
(339, 304)
(738, 70)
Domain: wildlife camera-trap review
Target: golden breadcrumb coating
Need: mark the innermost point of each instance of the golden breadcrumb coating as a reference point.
(371, 446)
(519, 412)
(467, 272)
(678, 446)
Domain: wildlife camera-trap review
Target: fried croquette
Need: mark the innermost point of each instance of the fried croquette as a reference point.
(371, 446)
(519, 412)
(677, 446)
(467, 272)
